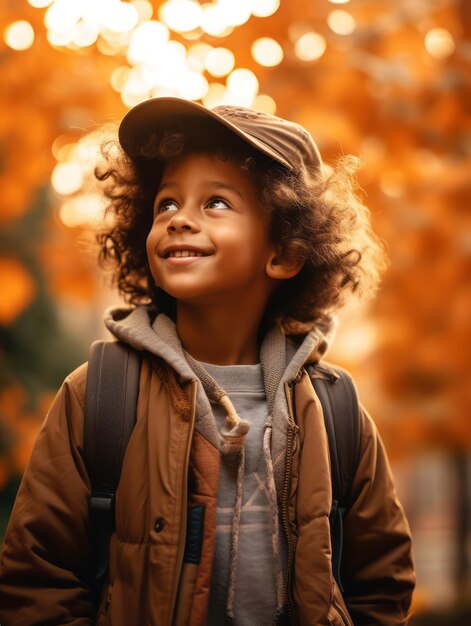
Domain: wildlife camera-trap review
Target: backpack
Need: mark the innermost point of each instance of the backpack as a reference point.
(110, 416)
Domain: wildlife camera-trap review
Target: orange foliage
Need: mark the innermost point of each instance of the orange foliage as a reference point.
(21, 426)
(377, 92)
(77, 280)
(18, 289)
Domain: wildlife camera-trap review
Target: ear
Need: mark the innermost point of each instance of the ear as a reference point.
(283, 266)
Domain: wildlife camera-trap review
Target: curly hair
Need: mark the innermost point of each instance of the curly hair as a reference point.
(318, 218)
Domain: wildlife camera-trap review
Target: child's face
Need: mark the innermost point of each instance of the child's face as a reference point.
(209, 241)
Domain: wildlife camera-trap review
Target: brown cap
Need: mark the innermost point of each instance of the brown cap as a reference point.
(285, 142)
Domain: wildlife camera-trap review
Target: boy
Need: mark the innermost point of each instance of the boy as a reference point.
(235, 244)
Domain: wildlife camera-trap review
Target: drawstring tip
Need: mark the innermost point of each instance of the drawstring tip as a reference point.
(233, 439)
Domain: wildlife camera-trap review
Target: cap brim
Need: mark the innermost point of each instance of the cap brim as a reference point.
(156, 115)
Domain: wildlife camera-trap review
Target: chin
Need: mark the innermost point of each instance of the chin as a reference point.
(184, 294)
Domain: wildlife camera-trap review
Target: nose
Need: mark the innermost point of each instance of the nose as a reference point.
(182, 222)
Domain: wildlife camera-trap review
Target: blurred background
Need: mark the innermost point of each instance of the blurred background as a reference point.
(389, 80)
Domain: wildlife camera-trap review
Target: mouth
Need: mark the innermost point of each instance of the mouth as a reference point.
(183, 250)
(177, 254)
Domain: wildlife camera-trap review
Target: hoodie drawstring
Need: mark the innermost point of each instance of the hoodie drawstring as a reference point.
(233, 435)
(233, 439)
(232, 442)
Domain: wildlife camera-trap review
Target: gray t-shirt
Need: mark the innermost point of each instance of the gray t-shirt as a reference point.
(255, 594)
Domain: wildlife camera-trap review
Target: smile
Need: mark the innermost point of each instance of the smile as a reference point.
(183, 253)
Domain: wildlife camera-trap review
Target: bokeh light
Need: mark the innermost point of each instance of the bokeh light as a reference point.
(194, 86)
(86, 210)
(243, 86)
(79, 24)
(144, 9)
(341, 22)
(62, 148)
(19, 35)
(310, 46)
(439, 43)
(265, 104)
(267, 52)
(59, 39)
(40, 4)
(235, 13)
(219, 62)
(62, 16)
(134, 92)
(197, 54)
(67, 178)
(216, 95)
(120, 77)
(264, 8)
(181, 15)
(158, 65)
(147, 42)
(85, 34)
(213, 20)
(122, 18)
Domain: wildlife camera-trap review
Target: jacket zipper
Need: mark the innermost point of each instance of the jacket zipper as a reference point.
(292, 431)
(183, 521)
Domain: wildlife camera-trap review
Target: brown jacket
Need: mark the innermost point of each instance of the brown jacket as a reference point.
(44, 559)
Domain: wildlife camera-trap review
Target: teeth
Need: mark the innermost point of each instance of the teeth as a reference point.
(181, 253)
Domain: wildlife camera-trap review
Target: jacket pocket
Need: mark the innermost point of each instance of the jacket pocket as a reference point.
(338, 613)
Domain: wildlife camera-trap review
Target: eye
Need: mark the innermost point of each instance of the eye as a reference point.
(218, 203)
(164, 205)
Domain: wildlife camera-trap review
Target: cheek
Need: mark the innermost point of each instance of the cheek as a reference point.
(256, 240)
(151, 242)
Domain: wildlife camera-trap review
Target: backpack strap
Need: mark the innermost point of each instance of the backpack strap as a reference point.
(337, 394)
(110, 415)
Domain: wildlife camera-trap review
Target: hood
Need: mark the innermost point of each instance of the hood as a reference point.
(141, 328)
(281, 357)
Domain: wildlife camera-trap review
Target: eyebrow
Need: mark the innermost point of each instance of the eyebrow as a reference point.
(216, 184)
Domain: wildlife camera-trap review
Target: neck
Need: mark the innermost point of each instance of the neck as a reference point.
(219, 335)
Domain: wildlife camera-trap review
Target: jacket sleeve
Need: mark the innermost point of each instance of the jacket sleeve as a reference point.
(378, 571)
(45, 553)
